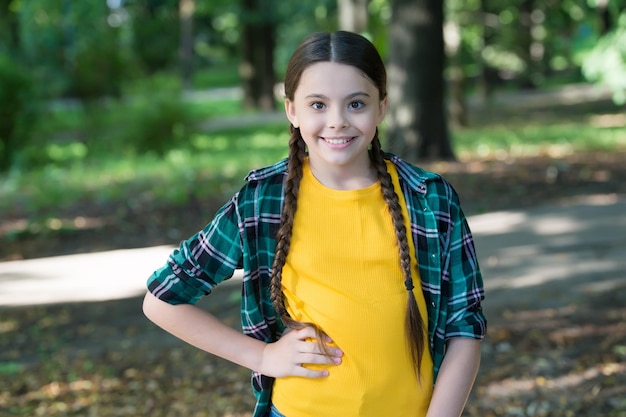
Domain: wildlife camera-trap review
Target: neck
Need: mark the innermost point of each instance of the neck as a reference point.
(342, 178)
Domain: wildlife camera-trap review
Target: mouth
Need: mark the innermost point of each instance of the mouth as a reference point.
(338, 140)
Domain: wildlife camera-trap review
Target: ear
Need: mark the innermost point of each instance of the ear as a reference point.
(382, 111)
(290, 111)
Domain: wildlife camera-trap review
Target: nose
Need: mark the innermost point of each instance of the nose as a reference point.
(337, 118)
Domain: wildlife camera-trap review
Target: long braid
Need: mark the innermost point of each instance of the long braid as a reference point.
(415, 327)
(296, 157)
(283, 236)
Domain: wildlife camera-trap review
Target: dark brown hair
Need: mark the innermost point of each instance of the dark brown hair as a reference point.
(350, 49)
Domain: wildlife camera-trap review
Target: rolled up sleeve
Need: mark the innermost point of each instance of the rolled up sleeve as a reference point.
(201, 262)
(465, 317)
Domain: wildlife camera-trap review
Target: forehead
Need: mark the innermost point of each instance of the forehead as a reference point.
(332, 78)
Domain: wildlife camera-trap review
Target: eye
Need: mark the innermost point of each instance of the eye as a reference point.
(317, 105)
(356, 105)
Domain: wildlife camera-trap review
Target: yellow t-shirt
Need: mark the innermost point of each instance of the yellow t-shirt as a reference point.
(343, 274)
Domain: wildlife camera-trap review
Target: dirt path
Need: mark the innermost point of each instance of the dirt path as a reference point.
(556, 301)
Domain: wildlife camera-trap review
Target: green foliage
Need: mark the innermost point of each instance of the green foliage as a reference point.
(16, 110)
(536, 139)
(160, 118)
(84, 49)
(98, 72)
(606, 62)
(10, 369)
(156, 29)
(216, 77)
(72, 49)
(210, 164)
(300, 19)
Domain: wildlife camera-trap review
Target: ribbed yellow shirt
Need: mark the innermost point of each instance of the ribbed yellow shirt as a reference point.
(343, 274)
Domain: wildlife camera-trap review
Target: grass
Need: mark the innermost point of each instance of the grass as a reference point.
(211, 163)
(554, 139)
(224, 75)
(216, 162)
(64, 117)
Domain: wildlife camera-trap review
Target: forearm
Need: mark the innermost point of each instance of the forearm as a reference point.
(204, 331)
(456, 378)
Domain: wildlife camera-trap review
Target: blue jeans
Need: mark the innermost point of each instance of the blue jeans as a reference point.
(275, 413)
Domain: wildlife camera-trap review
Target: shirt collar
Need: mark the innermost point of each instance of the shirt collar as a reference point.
(415, 177)
(279, 167)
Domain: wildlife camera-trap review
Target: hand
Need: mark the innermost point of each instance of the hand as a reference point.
(287, 356)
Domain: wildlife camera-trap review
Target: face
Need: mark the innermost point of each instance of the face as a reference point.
(337, 109)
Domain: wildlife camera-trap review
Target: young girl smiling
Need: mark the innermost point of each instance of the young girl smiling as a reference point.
(361, 284)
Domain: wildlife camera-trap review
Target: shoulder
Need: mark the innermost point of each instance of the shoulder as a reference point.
(415, 176)
(278, 169)
(263, 185)
(427, 184)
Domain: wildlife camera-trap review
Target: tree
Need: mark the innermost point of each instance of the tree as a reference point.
(16, 102)
(156, 33)
(353, 15)
(258, 40)
(417, 121)
(455, 48)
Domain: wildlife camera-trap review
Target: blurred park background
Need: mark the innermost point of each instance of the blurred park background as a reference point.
(127, 123)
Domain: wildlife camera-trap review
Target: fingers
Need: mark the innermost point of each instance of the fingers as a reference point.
(311, 352)
(305, 333)
(310, 373)
(315, 357)
(295, 350)
(318, 358)
(306, 345)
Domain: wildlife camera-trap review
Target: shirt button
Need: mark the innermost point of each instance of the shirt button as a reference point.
(434, 255)
(425, 208)
(432, 304)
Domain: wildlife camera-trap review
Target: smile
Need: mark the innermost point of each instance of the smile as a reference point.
(338, 141)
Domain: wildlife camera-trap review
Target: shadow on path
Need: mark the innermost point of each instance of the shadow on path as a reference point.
(73, 340)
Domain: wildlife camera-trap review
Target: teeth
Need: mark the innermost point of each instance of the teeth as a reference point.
(337, 141)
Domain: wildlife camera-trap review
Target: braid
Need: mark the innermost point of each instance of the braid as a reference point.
(283, 236)
(296, 157)
(414, 323)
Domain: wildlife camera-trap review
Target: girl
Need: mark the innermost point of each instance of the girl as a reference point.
(334, 242)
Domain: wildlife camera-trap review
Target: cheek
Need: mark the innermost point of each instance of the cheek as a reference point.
(311, 124)
(367, 122)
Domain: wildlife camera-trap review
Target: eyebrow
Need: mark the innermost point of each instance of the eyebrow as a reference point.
(349, 96)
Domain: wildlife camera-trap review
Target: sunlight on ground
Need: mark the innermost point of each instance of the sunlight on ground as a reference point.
(561, 246)
(496, 223)
(516, 386)
(97, 276)
(84, 277)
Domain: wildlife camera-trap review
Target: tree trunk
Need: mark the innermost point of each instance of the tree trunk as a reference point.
(257, 65)
(186, 10)
(454, 47)
(417, 120)
(353, 15)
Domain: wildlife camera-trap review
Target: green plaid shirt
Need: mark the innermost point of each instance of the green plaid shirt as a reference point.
(241, 236)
